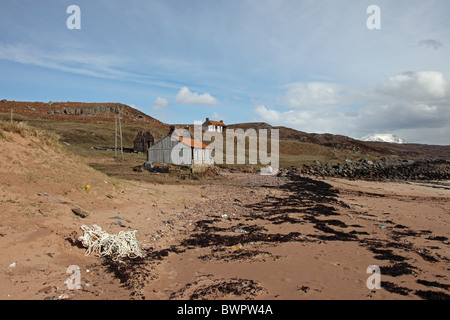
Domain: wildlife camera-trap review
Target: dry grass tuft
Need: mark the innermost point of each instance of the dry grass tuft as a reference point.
(48, 138)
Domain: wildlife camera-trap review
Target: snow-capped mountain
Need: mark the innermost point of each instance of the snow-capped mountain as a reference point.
(386, 137)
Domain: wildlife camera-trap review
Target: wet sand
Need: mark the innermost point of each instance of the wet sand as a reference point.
(309, 239)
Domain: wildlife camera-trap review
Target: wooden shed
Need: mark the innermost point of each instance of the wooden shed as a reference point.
(143, 141)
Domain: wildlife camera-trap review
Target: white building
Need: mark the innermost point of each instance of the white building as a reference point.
(215, 126)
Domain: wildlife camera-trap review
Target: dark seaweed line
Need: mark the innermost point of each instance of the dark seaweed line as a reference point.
(308, 197)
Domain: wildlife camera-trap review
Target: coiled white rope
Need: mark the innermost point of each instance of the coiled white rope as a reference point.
(104, 244)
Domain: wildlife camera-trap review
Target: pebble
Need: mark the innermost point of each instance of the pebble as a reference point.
(46, 290)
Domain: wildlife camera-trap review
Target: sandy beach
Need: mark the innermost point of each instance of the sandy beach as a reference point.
(241, 236)
(253, 152)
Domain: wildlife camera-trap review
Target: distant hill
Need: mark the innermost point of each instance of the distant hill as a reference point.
(87, 112)
(340, 142)
(84, 125)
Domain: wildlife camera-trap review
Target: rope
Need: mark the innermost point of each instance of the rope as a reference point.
(116, 246)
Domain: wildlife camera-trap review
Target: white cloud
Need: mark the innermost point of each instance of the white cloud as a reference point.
(272, 116)
(406, 104)
(418, 86)
(217, 116)
(318, 120)
(308, 94)
(188, 97)
(160, 103)
(410, 101)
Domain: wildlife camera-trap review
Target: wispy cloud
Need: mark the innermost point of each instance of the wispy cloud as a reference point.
(103, 66)
(430, 43)
(93, 65)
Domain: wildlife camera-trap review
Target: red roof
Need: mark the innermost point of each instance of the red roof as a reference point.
(193, 143)
(217, 123)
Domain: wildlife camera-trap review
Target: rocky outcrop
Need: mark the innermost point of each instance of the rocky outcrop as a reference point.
(91, 111)
(383, 169)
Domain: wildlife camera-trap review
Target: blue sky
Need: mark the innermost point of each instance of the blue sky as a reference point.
(310, 65)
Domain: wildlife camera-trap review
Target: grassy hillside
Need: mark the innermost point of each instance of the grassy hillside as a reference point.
(86, 134)
(353, 148)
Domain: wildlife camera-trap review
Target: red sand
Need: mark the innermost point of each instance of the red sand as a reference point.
(38, 231)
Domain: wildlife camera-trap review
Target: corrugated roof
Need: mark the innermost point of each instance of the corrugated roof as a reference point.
(193, 143)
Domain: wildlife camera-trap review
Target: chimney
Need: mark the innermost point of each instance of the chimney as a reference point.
(172, 129)
(207, 119)
(221, 121)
